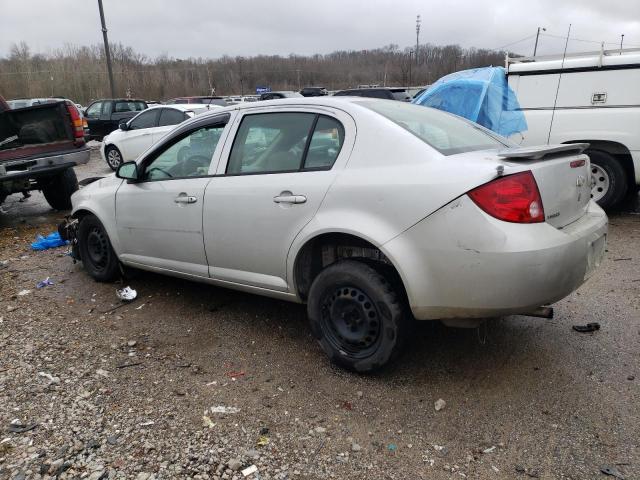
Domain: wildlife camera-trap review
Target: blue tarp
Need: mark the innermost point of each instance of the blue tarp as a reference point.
(52, 240)
(481, 95)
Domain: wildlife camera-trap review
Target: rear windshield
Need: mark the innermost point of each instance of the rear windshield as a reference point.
(443, 131)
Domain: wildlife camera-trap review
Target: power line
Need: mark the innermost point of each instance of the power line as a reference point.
(499, 49)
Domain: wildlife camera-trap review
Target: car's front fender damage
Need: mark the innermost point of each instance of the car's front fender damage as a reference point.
(462, 263)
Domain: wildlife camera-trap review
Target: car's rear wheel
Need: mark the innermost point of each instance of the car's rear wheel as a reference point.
(609, 179)
(357, 316)
(96, 252)
(113, 156)
(57, 190)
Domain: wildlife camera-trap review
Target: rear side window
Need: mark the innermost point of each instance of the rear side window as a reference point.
(171, 116)
(144, 120)
(443, 131)
(281, 142)
(325, 145)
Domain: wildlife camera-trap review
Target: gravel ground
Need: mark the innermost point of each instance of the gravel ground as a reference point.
(191, 381)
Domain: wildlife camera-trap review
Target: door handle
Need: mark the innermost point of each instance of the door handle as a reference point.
(184, 198)
(289, 198)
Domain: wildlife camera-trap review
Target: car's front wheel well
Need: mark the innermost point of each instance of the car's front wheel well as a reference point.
(326, 249)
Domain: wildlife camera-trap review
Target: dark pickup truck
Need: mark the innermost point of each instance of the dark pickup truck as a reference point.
(39, 146)
(104, 116)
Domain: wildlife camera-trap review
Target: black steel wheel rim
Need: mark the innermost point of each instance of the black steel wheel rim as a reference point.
(351, 322)
(98, 248)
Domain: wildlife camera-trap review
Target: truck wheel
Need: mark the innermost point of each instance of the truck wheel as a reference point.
(358, 318)
(610, 180)
(113, 156)
(96, 253)
(58, 189)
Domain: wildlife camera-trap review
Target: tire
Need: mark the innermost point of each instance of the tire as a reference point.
(58, 189)
(357, 316)
(96, 252)
(113, 157)
(611, 182)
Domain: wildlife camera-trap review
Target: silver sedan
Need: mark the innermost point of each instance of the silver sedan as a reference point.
(369, 211)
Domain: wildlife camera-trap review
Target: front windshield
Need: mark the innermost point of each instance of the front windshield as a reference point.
(445, 132)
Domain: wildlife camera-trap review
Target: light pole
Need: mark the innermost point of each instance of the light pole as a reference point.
(535, 48)
(621, 41)
(106, 49)
(410, 62)
(418, 23)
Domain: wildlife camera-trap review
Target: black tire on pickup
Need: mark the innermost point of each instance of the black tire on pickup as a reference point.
(59, 188)
(96, 252)
(358, 317)
(611, 182)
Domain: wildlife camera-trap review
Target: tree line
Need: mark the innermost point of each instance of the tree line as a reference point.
(80, 73)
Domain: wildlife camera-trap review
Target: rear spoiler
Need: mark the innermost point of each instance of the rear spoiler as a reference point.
(541, 151)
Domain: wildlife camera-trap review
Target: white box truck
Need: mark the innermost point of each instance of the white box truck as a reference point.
(591, 97)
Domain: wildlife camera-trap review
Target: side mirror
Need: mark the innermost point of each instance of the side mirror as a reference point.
(128, 171)
(123, 126)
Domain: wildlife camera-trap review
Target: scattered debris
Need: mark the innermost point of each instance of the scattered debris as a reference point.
(263, 441)
(126, 294)
(320, 430)
(147, 423)
(102, 373)
(44, 283)
(612, 472)
(622, 259)
(17, 427)
(131, 343)
(249, 470)
(22, 293)
(495, 469)
(49, 377)
(234, 464)
(439, 404)
(489, 450)
(223, 409)
(392, 447)
(589, 327)
(631, 378)
(208, 422)
(347, 405)
(439, 448)
(52, 240)
(127, 365)
(234, 375)
(355, 447)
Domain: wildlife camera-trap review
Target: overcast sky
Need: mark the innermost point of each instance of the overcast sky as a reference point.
(212, 28)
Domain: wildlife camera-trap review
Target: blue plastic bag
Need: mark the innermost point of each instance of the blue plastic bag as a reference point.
(52, 240)
(481, 95)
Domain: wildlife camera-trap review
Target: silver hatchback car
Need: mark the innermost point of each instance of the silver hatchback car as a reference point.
(369, 211)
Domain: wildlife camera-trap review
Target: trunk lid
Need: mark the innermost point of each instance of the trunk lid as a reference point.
(562, 173)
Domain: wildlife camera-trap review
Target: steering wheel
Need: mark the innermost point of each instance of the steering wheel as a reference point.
(190, 165)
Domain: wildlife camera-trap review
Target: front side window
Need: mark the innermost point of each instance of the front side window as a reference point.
(171, 116)
(94, 110)
(445, 132)
(144, 120)
(187, 156)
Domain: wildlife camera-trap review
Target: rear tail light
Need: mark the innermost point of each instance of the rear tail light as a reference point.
(513, 198)
(76, 122)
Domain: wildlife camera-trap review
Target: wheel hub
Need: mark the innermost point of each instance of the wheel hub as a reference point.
(114, 158)
(97, 248)
(351, 320)
(601, 182)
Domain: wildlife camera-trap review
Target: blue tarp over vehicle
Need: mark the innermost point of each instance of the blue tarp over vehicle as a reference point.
(481, 95)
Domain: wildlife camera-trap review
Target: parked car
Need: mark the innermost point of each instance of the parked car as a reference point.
(586, 97)
(104, 116)
(135, 136)
(389, 93)
(39, 146)
(313, 92)
(235, 100)
(279, 95)
(202, 99)
(420, 214)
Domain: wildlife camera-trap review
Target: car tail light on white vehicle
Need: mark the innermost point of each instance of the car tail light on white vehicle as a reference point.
(513, 198)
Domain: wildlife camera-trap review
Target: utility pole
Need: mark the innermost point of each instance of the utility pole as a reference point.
(621, 41)
(106, 49)
(535, 49)
(418, 22)
(410, 62)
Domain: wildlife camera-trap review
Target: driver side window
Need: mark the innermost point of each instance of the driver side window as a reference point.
(188, 156)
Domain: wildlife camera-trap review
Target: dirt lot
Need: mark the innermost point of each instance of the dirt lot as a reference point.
(111, 391)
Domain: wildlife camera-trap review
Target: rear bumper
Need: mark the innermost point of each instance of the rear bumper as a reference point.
(463, 263)
(44, 166)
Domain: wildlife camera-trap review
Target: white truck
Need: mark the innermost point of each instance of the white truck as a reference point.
(591, 97)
